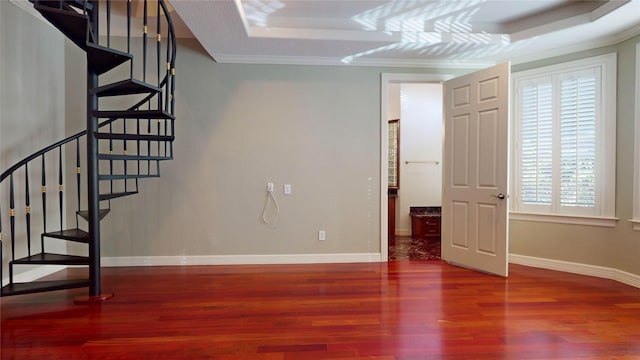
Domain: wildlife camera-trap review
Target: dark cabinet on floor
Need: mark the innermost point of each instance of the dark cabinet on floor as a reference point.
(425, 222)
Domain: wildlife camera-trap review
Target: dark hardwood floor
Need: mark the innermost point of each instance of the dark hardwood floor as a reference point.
(395, 310)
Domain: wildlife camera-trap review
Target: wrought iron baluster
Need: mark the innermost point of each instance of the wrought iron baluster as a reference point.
(166, 129)
(12, 221)
(43, 188)
(111, 160)
(60, 185)
(138, 144)
(145, 29)
(124, 126)
(27, 207)
(149, 132)
(78, 177)
(109, 23)
(129, 35)
(159, 52)
(158, 132)
(168, 73)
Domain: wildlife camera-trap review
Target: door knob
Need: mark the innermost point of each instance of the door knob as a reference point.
(499, 196)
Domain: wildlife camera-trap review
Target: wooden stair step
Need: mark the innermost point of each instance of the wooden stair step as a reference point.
(109, 196)
(42, 286)
(52, 259)
(85, 213)
(76, 235)
(125, 87)
(134, 114)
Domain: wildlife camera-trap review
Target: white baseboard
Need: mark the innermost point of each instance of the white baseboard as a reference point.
(577, 268)
(557, 265)
(239, 259)
(34, 274)
(403, 232)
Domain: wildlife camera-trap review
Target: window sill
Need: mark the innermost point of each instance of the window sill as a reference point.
(636, 224)
(568, 219)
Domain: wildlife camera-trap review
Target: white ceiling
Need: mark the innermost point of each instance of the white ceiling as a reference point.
(451, 33)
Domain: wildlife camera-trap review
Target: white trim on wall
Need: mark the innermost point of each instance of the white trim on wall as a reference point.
(330, 61)
(385, 80)
(577, 268)
(636, 168)
(240, 259)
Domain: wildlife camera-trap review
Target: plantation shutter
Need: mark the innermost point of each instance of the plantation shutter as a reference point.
(578, 115)
(536, 143)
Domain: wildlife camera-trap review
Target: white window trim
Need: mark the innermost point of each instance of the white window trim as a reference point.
(608, 63)
(565, 219)
(636, 168)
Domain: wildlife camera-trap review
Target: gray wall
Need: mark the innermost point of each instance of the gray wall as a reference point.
(241, 126)
(32, 97)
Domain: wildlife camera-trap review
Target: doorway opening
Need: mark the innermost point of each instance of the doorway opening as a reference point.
(411, 171)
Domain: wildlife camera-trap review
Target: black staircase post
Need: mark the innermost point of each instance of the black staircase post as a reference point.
(93, 200)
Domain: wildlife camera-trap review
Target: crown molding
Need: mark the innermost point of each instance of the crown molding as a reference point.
(330, 61)
(427, 63)
(590, 45)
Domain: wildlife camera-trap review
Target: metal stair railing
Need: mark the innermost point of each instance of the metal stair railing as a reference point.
(122, 147)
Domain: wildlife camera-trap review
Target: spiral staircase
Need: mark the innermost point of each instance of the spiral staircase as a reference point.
(130, 131)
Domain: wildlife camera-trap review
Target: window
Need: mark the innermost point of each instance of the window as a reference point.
(564, 142)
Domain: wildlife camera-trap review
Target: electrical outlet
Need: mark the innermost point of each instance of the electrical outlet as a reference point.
(270, 187)
(287, 189)
(321, 235)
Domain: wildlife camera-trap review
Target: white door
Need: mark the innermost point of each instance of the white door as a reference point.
(475, 172)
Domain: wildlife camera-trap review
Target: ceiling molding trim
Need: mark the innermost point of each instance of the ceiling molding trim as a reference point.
(606, 41)
(628, 34)
(329, 61)
(608, 7)
(243, 16)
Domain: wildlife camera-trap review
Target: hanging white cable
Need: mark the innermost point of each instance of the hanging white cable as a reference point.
(272, 223)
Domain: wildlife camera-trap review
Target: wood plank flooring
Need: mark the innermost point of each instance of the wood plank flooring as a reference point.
(399, 310)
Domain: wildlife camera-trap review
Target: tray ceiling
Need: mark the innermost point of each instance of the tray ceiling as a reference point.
(403, 33)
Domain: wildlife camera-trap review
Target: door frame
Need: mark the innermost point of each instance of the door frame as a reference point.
(385, 80)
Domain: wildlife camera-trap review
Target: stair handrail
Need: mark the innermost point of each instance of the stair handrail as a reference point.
(64, 141)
